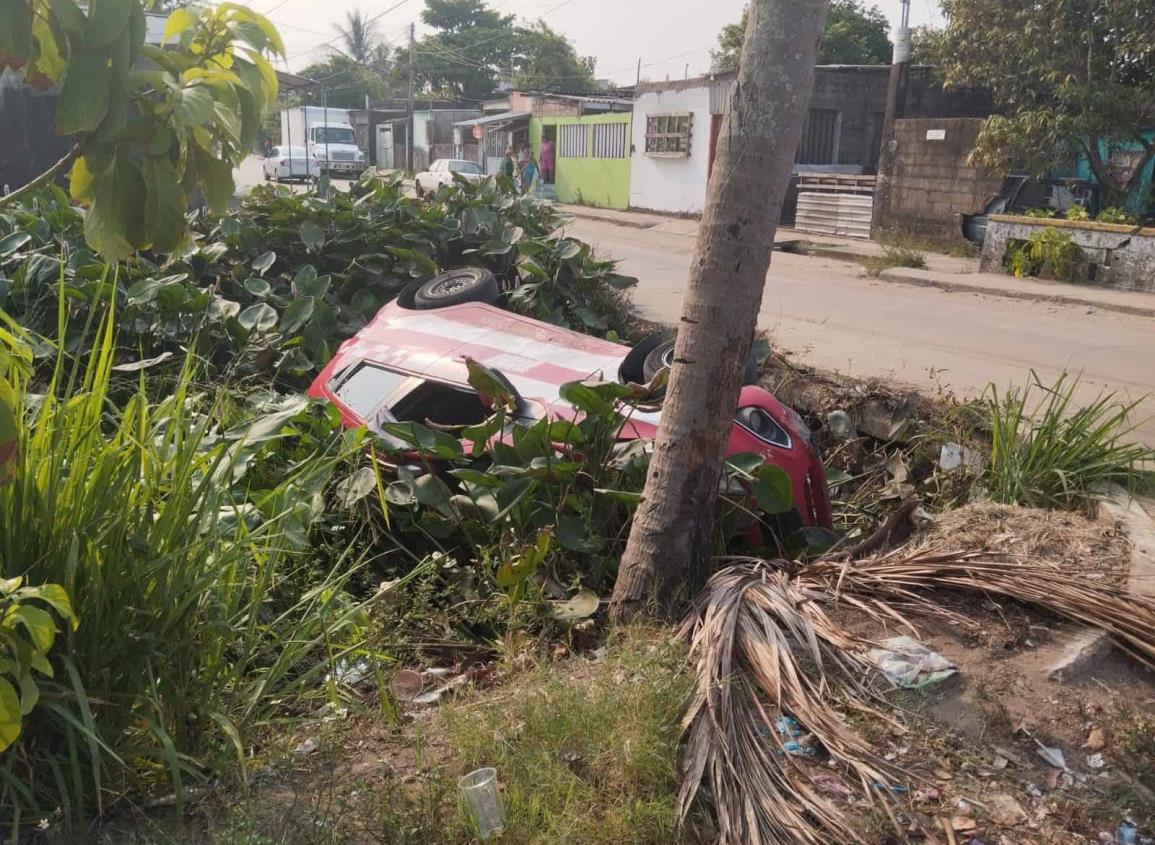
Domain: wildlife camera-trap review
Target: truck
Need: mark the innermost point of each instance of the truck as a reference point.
(327, 136)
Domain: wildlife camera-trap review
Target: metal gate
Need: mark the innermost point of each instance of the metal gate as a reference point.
(835, 204)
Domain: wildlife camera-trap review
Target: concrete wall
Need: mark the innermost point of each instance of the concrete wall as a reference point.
(676, 185)
(1113, 256)
(858, 94)
(930, 183)
(601, 182)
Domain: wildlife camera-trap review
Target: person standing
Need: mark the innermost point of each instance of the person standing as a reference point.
(528, 173)
(509, 166)
(547, 161)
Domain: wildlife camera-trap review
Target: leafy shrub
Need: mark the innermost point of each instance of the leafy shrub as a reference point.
(1117, 215)
(1041, 213)
(201, 615)
(1077, 212)
(1049, 253)
(1047, 452)
(271, 289)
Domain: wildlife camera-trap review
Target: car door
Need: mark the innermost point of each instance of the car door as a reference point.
(270, 161)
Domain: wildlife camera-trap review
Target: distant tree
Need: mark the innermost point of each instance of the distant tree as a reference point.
(1072, 77)
(547, 61)
(473, 47)
(360, 40)
(346, 84)
(927, 44)
(854, 35)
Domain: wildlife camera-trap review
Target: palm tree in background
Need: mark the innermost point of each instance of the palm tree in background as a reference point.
(360, 40)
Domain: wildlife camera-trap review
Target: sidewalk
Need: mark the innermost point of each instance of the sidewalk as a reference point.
(943, 272)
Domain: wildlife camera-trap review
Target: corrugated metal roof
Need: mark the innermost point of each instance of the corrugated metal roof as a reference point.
(503, 117)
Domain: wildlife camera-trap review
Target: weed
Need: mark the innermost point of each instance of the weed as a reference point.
(1041, 213)
(1048, 452)
(1049, 253)
(1118, 216)
(1077, 212)
(894, 255)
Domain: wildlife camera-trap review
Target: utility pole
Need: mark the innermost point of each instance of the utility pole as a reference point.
(895, 110)
(639, 79)
(409, 128)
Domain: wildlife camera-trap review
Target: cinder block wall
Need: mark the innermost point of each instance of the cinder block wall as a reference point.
(930, 182)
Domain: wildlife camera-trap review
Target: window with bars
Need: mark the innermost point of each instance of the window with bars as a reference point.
(572, 141)
(669, 134)
(820, 136)
(610, 140)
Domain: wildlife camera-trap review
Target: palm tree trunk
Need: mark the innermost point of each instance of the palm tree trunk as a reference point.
(669, 541)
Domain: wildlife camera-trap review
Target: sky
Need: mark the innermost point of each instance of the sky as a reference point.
(672, 37)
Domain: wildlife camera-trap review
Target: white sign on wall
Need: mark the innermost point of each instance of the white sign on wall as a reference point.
(936, 134)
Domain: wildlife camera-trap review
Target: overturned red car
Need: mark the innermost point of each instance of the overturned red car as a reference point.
(408, 364)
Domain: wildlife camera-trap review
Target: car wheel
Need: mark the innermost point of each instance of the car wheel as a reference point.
(633, 365)
(469, 284)
(663, 356)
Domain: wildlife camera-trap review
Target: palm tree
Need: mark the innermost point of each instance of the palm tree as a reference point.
(360, 40)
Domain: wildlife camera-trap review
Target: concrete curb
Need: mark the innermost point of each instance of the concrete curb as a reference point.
(573, 211)
(899, 276)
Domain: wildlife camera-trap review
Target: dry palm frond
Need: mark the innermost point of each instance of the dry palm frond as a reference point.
(764, 646)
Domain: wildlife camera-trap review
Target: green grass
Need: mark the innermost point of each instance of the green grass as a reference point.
(895, 255)
(586, 754)
(1048, 451)
(201, 621)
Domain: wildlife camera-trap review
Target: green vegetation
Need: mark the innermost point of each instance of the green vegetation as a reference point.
(1047, 451)
(1049, 253)
(147, 140)
(855, 34)
(1118, 216)
(895, 254)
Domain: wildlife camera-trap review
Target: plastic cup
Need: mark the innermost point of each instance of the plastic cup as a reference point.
(480, 789)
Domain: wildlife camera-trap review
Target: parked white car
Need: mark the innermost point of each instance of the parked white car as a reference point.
(442, 171)
(288, 163)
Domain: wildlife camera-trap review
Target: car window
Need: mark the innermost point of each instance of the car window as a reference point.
(464, 167)
(275, 152)
(438, 166)
(366, 387)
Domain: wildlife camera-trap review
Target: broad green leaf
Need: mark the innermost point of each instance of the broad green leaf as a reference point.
(108, 21)
(296, 315)
(490, 384)
(84, 95)
(29, 693)
(180, 20)
(312, 236)
(81, 180)
(573, 534)
(216, 180)
(193, 106)
(10, 716)
(626, 497)
(567, 249)
(54, 595)
(15, 32)
(258, 287)
(165, 204)
(431, 491)
(616, 280)
(259, 318)
(264, 261)
(356, 487)
(416, 436)
(308, 283)
(773, 490)
(10, 585)
(9, 431)
(401, 493)
(38, 623)
(745, 463)
(13, 242)
(581, 606)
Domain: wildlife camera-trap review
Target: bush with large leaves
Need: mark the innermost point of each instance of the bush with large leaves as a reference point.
(271, 289)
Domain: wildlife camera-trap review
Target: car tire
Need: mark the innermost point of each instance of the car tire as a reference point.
(469, 284)
(632, 369)
(417, 187)
(662, 355)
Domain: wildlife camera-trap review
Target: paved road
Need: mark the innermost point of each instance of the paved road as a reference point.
(828, 316)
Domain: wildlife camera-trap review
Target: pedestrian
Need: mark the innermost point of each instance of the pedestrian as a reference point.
(509, 166)
(528, 173)
(546, 161)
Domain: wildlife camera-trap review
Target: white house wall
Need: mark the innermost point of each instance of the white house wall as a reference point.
(676, 185)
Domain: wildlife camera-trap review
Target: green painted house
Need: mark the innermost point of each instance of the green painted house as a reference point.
(591, 150)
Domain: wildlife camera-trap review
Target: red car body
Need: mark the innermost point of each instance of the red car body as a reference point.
(405, 356)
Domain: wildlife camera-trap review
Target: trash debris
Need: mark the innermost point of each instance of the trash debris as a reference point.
(1127, 834)
(908, 663)
(1053, 756)
(927, 795)
(480, 790)
(840, 425)
(829, 783)
(582, 605)
(1096, 740)
(1095, 761)
(1004, 810)
(999, 762)
(963, 823)
(950, 457)
(407, 684)
(796, 741)
(306, 748)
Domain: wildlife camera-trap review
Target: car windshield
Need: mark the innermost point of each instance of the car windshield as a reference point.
(464, 166)
(295, 152)
(333, 135)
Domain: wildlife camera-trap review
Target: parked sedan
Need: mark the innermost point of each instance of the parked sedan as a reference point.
(287, 163)
(408, 364)
(442, 171)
